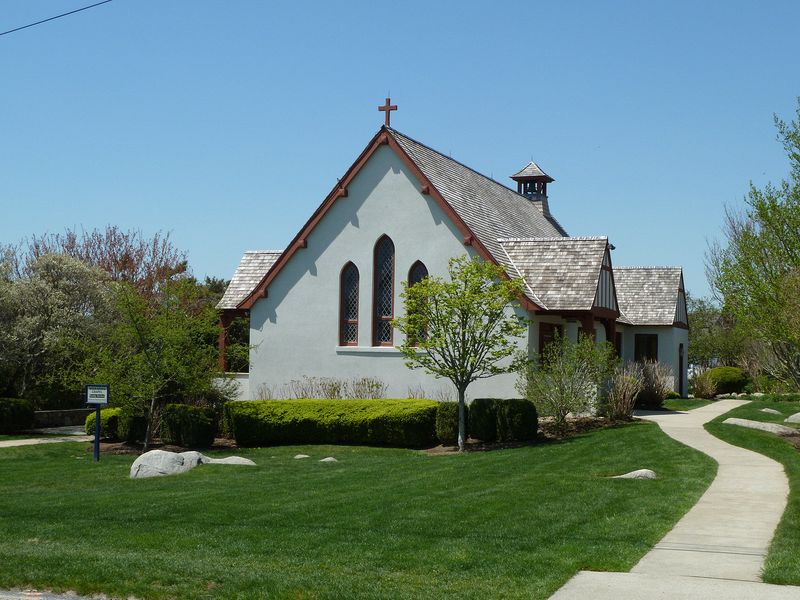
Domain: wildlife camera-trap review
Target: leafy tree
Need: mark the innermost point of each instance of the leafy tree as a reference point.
(714, 336)
(159, 352)
(756, 272)
(568, 376)
(462, 329)
(58, 300)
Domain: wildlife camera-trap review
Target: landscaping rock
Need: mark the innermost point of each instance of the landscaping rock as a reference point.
(795, 418)
(771, 411)
(302, 456)
(157, 463)
(757, 394)
(328, 459)
(638, 474)
(760, 425)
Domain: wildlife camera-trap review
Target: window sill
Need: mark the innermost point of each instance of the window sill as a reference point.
(368, 350)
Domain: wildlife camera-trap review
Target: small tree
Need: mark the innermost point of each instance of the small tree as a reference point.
(568, 377)
(626, 383)
(462, 329)
(656, 384)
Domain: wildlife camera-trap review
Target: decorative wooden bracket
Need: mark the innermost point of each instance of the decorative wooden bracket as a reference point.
(426, 190)
(302, 243)
(468, 240)
(341, 192)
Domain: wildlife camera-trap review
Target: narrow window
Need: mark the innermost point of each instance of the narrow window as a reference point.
(348, 306)
(417, 273)
(383, 292)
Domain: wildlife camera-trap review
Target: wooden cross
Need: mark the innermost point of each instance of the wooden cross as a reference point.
(387, 108)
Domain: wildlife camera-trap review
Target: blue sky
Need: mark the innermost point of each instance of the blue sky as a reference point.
(227, 123)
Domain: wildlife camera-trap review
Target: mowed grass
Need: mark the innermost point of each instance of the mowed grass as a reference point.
(685, 403)
(380, 523)
(783, 561)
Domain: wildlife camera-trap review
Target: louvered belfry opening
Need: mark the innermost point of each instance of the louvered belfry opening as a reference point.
(348, 319)
(383, 292)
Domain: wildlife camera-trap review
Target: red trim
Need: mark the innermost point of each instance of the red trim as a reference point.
(384, 136)
(342, 321)
(376, 318)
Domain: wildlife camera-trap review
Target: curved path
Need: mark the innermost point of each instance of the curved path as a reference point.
(717, 549)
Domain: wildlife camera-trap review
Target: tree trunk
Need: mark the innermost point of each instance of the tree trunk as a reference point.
(149, 431)
(462, 424)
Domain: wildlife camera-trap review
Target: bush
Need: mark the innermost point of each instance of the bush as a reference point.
(728, 380)
(625, 385)
(656, 384)
(778, 398)
(703, 386)
(15, 415)
(447, 422)
(109, 423)
(188, 426)
(497, 420)
(673, 395)
(131, 428)
(406, 423)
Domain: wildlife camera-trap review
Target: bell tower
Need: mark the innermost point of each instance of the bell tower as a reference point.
(532, 183)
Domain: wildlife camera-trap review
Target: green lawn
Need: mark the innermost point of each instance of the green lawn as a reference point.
(783, 561)
(381, 523)
(685, 403)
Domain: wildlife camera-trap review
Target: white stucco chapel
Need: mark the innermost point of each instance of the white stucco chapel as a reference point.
(322, 306)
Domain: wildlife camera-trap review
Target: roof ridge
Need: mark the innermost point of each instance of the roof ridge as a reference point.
(263, 251)
(584, 238)
(645, 268)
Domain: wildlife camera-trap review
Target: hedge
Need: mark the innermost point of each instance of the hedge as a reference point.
(109, 423)
(188, 426)
(131, 428)
(503, 420)
(447, 422)
(16, 415)
(729, 380)
(406, 423)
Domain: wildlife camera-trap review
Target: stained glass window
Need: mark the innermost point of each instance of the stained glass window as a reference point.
(348, 330)
(383, 292)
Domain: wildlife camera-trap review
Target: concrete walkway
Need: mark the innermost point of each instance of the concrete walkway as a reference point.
(67, 434)
(717, 549)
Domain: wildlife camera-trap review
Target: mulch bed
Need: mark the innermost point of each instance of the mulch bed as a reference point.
(136, 449)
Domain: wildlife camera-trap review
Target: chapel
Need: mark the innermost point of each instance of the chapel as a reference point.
(323, 306)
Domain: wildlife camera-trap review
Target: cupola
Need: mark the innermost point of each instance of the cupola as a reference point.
(532, 183)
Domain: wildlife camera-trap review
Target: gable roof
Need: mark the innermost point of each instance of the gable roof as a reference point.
(252, 268)
(531, 170)
(481, 208)
(560, 273)
(648, 295)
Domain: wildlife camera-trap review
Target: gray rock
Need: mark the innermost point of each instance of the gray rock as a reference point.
(302, 456)
(760, 425)
(157, 463)
(757, 394)
(771, 411)
(638, 474)
(795, 418)
(328, 459)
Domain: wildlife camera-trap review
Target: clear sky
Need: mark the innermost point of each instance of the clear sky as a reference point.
(228, 122)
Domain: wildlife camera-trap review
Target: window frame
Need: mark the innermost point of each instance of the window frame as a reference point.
(376, 318)
(343, 321)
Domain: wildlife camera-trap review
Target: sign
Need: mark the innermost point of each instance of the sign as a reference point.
(96, 393)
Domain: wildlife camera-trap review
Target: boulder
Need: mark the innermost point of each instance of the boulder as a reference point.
(757, 394)
(302, 456)
(760, 425)
(795, 418)
(638, 474)
(157, 463)
(328, 459)
(771, 411)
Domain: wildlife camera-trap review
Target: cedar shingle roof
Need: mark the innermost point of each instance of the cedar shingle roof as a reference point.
(490, 209)
(252, 268)
(648, 295)
(531, 170)
(561, 273)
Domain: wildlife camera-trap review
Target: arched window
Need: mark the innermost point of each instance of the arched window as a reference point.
(348, 306)
(383, 292)
(417, 273)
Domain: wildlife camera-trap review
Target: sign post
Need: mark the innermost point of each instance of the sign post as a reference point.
(97, 394)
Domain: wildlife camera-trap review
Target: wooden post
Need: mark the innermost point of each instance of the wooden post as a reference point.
(225, 320)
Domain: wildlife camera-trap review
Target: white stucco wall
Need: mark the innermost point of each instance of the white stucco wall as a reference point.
(295, 330)
(669, 340)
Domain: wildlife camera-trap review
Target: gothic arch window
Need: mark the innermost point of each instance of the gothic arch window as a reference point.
(383, 292)
(417, 273)
(348, 305)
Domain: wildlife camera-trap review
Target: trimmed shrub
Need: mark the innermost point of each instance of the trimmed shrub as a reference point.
(673, 395)
(132, 428)
(728, 380)
(499, 420)
(517, 420)
(406, 423)
(188, 426)
(482, 422)
(16, 415)
(109, 423)
(447, 422)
